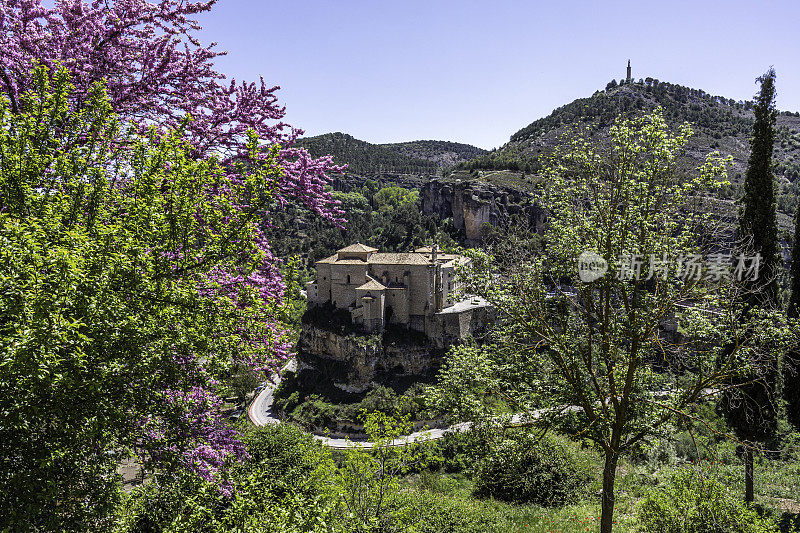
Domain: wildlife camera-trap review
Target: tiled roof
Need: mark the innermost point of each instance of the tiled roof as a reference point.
(357, 247)
(408, 258)
(331, 259)
(371, 285)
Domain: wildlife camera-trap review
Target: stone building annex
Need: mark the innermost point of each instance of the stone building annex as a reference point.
(416, 290)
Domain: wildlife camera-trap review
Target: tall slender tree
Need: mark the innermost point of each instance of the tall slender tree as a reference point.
(793, 308)
(751, 406)
(758, 225)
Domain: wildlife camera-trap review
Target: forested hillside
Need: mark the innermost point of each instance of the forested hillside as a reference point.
(367, 159)
(719, 123)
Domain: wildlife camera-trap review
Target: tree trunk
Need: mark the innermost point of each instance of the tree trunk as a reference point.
(748, 474)
(607, 505)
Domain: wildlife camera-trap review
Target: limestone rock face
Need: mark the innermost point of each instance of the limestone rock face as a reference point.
(357, 362)
(473, 204)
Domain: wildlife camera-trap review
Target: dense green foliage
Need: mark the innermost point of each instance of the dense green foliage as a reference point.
(367, 159)
(110, 338)
(282, 486)
(387, 218)
(321, 408)
(692, 501)
(545, 470)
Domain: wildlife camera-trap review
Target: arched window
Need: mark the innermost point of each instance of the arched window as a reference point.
(348, 279)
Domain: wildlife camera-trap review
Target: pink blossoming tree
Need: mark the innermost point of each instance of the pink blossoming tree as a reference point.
(134, 186)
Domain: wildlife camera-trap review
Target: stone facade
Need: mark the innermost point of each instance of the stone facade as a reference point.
(416, 290)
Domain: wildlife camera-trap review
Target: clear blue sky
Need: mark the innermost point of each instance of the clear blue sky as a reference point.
(476, 72)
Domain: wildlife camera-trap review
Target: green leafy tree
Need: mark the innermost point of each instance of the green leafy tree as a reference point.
(116, 319)
(592, 341)
(390, 198)
(369, 478)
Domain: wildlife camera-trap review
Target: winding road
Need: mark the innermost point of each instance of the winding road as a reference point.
(262, 414)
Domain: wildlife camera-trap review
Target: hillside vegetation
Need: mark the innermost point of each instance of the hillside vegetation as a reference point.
(367, 159)
(720, 123)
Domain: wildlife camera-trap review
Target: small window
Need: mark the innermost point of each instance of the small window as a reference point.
(348, 279)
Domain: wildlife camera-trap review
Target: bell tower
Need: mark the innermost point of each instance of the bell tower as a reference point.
(628, 77)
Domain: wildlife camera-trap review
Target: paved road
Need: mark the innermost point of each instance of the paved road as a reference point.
(262, 414)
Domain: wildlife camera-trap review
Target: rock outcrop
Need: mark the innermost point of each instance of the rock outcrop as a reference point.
(472, 204)
(356, 362)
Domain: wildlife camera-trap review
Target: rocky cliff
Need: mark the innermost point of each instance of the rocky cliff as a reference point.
(471, 204)
(356, 362)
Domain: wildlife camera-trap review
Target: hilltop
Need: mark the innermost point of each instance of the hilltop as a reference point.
(719, 123)
(367, 159)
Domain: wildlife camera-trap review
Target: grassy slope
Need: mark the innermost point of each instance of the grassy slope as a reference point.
(777, 485)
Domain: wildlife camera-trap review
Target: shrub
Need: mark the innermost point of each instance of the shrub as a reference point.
(436, 513)
(285, 480)
(462, 450)
(286, 460)
(691, 503)
(549, 471)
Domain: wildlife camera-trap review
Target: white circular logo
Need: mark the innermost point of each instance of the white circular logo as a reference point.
(591, 267)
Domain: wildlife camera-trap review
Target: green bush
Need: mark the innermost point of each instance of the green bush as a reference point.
(286, 460)
(549, 471)
(691, 503)
(462, 450)
(435, 513)
(284, 481)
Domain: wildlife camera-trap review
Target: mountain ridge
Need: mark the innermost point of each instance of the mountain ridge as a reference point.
(719, 123)
(424, 157)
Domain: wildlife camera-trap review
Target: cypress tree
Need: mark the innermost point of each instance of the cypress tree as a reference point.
(751, 407)
(758, 224)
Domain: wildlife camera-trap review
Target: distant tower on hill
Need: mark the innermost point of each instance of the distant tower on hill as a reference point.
(628, 77)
